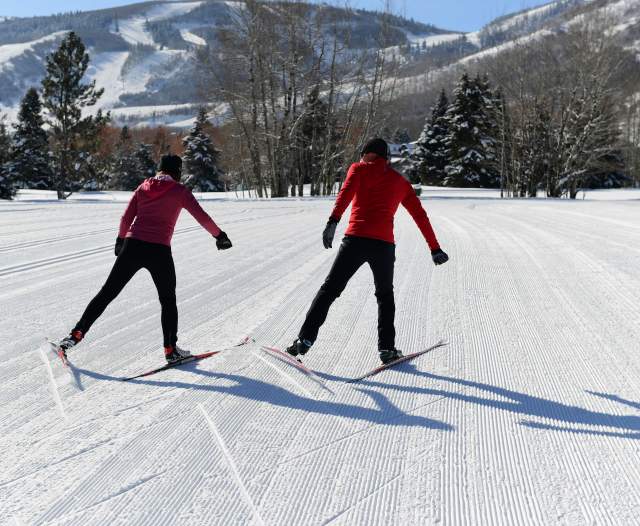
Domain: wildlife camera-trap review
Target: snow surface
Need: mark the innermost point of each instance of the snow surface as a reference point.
(133, 29)
(523, 17)
(9, 52)
(529, 416)
(432, 40)
(188, 36)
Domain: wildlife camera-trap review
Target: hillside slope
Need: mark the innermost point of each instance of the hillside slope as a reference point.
(144, 54)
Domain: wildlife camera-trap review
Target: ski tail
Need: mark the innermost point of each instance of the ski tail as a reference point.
(406, 358)
(59, 352)
(192, 358)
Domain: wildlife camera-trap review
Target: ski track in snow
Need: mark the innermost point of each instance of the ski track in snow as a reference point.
(529, 416)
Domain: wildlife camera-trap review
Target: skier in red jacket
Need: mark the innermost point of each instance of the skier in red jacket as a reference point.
(144, 241)
(375, 191)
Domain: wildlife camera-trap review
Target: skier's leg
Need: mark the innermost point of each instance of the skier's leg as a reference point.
(382, 260)
(349, 259)
(126, 265)
(163, 273)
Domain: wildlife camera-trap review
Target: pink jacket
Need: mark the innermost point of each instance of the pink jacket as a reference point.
(153, 211)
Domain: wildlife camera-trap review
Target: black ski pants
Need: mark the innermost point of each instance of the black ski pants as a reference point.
(135, 255)
(353, 253)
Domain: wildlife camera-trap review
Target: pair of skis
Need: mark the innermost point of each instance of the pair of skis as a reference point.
(287, 358)
(55, 348)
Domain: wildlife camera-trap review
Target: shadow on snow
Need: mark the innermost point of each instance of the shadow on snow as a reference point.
(557, 415)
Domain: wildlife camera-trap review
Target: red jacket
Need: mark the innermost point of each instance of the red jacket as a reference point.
(377, 190)
(154, 208)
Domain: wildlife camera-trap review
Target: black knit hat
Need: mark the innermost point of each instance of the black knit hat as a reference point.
(378, 146)
(172, 165)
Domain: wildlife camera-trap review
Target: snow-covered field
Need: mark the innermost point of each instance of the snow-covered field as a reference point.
(529, 416)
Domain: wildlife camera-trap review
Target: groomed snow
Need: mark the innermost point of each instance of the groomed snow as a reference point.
(528, 417)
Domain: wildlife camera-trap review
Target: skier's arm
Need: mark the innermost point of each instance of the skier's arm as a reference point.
(193, 207)
(346, 193)
(414, 207)
(129, 215)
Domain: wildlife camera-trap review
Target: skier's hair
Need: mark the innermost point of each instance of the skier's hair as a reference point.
(172, 165)
(378, 146)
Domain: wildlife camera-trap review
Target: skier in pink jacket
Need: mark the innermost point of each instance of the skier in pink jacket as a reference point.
(144, 241)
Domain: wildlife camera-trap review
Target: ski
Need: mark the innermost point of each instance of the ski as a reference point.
(297, 363)
(189, 359)
(406, 358)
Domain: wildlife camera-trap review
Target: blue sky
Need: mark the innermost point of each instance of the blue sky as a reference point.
(463, 15)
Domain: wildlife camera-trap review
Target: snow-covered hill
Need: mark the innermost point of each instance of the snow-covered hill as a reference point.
(143, 54)
(529, 416)
(619, 18)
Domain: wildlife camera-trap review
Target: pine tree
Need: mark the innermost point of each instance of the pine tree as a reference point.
(430, 157)
(29, 165)
(489, 125)
(124, 171)
(313, 139)
(470, 141)
(64, 99)
(7, 186)
(201, 158)
(144, 161)
(401, 136)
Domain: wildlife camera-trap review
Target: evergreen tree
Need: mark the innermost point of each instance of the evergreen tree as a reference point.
(201, 158)
(7, 186)
(401, 136)
(29, 165)
(124, 172)
(64, 99)
(489, 125)
(430, 157)
(470, 141)
(313, 138)
(144, 161)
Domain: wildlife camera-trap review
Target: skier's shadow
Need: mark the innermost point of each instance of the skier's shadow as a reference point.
(567, 417)
(385, 412)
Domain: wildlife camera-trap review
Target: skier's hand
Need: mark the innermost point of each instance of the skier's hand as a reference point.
(439, 256)
(118, 247)
(329, 232)
(222, 241)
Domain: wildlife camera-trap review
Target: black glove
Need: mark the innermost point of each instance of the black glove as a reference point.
(329, 232)
(222, 241)
(119, 243)
(439, 256)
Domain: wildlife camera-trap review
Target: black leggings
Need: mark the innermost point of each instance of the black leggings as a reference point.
(353, 253)
(136, 254)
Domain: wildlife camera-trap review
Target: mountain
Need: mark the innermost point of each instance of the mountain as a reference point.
(144, 54)
(619, 18)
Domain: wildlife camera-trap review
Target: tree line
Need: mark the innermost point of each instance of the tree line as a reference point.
(558, 120)
(54, 146)
(549, 116)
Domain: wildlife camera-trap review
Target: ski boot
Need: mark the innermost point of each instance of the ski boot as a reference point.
(390, 356)
(299, 347)
(174, 354)
(67, 343)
